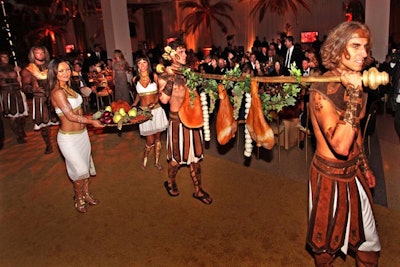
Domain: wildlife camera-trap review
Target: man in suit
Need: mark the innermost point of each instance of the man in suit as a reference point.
(98, 55)
(293, 54)
(206, 64)
(263, 56)
(305, 67)
(280, 48)
(221, 68)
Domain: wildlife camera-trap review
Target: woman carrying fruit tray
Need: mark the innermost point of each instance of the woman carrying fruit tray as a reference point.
(148, 99)
(72, 138)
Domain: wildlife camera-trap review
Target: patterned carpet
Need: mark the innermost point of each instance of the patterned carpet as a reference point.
(258, 217)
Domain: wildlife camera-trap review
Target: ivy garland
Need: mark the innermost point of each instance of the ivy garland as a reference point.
(275, 98)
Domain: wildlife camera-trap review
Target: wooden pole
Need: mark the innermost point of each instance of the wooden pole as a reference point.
(8, 30)
(371, 78)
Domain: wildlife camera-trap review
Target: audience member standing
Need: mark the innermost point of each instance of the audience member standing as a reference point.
(257, 43)
(292, 55)
(280, 48)
(120, 68)
(98, 55)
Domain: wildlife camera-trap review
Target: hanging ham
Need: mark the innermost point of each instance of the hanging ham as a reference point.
(256, 124)
(190, 112)
(226, 124)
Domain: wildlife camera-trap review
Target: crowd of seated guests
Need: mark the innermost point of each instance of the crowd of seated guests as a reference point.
(264, 59)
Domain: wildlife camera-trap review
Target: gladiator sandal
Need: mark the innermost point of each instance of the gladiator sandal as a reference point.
(16, 130)
(367, 258)
(21, 122)
(170, 185)
(324, 260)
(45, 132)
(157, 163)
(79, 200)
(87, 196)
(20, 129)
(146, 152)
(199, 193)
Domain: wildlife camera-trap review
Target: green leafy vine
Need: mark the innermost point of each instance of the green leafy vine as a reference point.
(275, 97)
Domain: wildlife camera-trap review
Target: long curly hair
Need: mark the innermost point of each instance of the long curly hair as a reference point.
(335, 45)
(31, 55)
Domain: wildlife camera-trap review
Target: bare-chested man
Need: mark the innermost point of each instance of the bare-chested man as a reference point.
(184, 145)
(340, 203)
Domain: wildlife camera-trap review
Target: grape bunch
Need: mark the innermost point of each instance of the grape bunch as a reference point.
(105, 117)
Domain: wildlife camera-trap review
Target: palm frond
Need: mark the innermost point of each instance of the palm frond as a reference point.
(222, 25)
(225, 16)
(280, 7)
(203, 13)
(221, 6)
(192, 21)
(188, 4)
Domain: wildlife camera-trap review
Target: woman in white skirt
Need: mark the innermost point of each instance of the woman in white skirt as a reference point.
(72, 138)
(148, 99)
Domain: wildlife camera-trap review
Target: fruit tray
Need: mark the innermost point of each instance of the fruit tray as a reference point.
(138, 119)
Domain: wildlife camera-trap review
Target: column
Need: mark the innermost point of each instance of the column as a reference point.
(377, 17)
(116, 28)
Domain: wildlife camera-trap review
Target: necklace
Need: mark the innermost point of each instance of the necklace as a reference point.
(144, 79)
(69, 91)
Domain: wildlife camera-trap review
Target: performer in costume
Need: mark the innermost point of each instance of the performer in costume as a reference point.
(72, 138)
(148, 98)
(34, 81)
(1, 130)
(12, 99)
(340, 202)
(184, 143)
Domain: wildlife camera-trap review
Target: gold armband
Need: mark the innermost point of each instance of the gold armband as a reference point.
(350, 115)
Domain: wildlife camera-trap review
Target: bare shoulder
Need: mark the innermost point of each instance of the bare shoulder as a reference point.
(57, 93)
(319, 102)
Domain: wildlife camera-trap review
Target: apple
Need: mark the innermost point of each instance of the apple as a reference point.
(122, 112)
(132, 112)
(106, 114)
(117, 117)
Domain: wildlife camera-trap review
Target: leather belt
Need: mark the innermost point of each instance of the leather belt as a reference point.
(173, 116)
(339, 169)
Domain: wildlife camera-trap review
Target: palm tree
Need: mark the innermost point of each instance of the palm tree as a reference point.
(203, 13)
(46, 21)
(280, 7)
